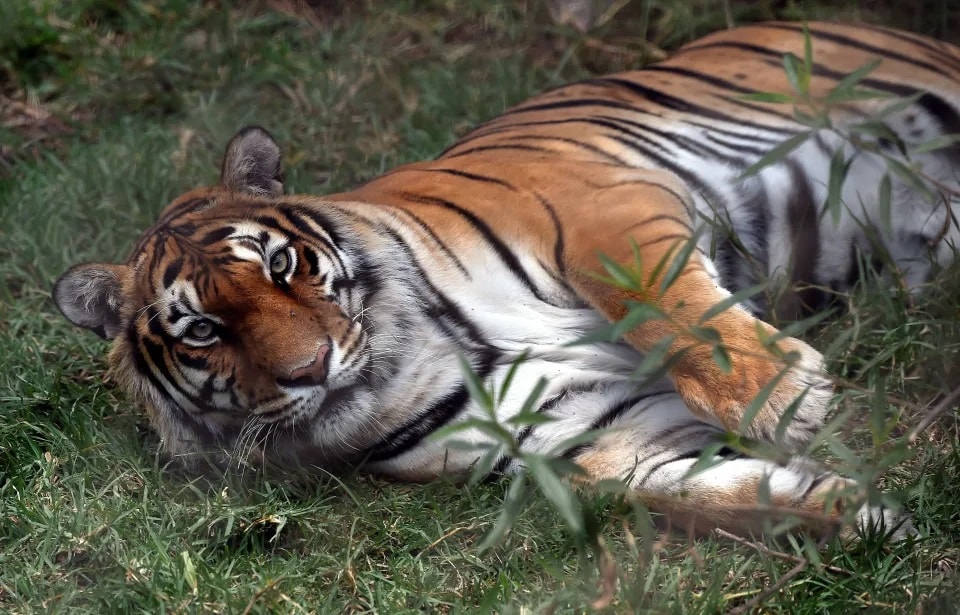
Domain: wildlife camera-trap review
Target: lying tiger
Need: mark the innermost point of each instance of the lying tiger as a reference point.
(327, 331)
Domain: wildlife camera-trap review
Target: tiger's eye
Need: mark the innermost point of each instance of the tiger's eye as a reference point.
(201, 330)
(279, 262)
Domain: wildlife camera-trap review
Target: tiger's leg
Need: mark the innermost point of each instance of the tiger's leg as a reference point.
(655, 445)
(642, 214)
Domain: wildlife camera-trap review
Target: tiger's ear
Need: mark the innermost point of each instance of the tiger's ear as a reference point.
(90, 296)
(251, 163)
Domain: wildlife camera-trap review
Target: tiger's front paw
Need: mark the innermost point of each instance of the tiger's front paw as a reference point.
(893, 526)
(726, 398)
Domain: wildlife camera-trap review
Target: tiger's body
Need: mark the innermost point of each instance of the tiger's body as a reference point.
(326, 330)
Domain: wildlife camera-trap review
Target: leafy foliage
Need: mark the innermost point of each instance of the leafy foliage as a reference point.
(150, 90)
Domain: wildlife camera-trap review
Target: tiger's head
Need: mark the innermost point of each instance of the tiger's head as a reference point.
(236, 315)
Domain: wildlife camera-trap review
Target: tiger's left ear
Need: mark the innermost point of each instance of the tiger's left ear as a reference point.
(251, 163)
(91, 295)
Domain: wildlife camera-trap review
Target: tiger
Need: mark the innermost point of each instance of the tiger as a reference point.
(344, 331)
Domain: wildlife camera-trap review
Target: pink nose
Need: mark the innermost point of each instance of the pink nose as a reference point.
(313, 374)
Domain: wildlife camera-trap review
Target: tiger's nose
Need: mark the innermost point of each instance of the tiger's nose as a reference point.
(313, 374)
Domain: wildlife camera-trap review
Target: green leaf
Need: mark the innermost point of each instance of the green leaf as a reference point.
(491, 428)
(585, 437)
(898, 105)
(839, 167)
(935, 143)
(508, 379)
(637, 314)
(881, 131)
(857, 94)
(769, 97)
(787, 417)
(795, 74)
(814, 121)
(558, 493)
(516, 497)
(883, 203)
(909, 176)
(679, 263)
(722, 358)
(565, 467)
(620, 275)
(656, 363)
(189, 571)
(807, 51)
(777, 154)
(707, 459)
(484, 466)
(533, 396)
(522, 419)
(841, 342)
(475, 387)
(735, 299)
(796, 328)
(846, 85)
(750, 412)
(661, 264)
(708, 335)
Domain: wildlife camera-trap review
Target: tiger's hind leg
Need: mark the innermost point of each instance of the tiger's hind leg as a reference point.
(655, 445)
(647, 213)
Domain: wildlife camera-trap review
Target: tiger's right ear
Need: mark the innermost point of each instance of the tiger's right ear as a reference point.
(91, 295)
(251, 163)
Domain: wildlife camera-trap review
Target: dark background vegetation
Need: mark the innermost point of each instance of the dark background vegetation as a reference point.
(109, 109)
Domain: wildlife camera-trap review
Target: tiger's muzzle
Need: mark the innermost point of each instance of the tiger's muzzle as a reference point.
(313, 374)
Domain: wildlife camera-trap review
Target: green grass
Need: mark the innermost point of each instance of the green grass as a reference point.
(132, 103)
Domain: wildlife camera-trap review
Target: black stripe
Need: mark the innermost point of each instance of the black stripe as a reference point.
(677, 104)
(604, 420)
(140, 363)
(861, 45)
(815, 483)
(188, 206)
(216, 235)
(947, 116)
(426, 228)
(293, 216)
(610, 415)
(312, 261)
(573, 103)
(172, 271)
(674, 140)
(722, 84)
(191, 361)
(586, 146)
(317, 218)
(776, 58)
(472, 176)
(559, 242)
(443, 307)
(156, 354)
(738, 147)
(511, 127)
(176, 314)
(488, 148)
(691, 180)
(527, 431)
(507, 257)
(668, 217)
(937, 53)
(436, 415)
